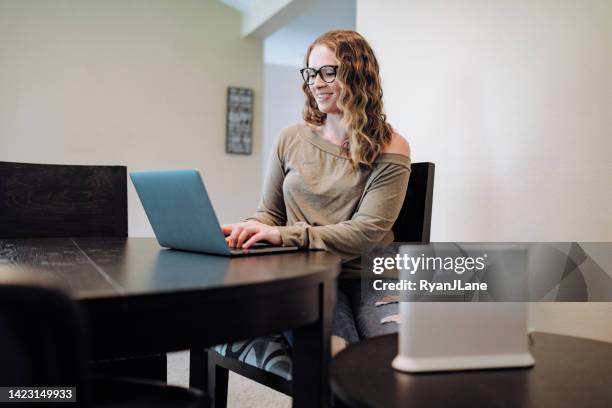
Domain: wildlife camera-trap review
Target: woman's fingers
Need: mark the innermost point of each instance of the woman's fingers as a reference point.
(227, 229)
(237, 233)
(260, 236)
(246, 233)
(234, 235)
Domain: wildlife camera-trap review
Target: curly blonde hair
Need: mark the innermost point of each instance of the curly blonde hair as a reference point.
(360, 98)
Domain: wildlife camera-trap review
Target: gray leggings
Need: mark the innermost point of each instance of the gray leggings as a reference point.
(356, 315)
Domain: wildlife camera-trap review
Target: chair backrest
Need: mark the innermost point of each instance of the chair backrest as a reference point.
(414, 221)
(50, 200)
(42, 339)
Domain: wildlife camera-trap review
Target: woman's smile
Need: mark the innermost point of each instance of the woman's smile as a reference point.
(324, 96)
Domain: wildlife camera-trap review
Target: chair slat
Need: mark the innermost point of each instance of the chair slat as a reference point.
(50, 200)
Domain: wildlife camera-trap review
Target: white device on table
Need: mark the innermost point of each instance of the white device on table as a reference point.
(462, 336)
(444, 336)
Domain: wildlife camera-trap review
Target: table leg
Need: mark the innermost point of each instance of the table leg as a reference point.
(311, 354)
(198, 368)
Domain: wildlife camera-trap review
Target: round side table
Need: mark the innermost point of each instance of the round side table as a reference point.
(569, 372)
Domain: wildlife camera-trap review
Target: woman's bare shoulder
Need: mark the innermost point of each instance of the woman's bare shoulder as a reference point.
(398, 145)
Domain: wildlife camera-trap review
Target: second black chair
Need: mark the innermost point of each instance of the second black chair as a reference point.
(43, 342)
(53, 200)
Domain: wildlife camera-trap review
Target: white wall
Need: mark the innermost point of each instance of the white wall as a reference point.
(283, 103)
(512, 101)
(139, 83)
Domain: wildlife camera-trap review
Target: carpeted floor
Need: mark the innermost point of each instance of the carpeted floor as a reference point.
(243, 393)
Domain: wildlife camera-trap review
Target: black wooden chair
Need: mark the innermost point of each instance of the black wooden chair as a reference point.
(43, 343)
(266, 360)
(67, 201)
(51, 200)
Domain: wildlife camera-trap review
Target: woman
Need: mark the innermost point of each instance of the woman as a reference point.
(336, 182)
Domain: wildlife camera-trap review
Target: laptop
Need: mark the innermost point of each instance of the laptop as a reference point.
(182, 216)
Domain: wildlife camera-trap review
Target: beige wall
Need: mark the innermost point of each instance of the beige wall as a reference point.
(139, 83)
(511, 100)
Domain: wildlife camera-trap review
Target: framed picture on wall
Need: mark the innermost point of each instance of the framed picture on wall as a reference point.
(239, 128)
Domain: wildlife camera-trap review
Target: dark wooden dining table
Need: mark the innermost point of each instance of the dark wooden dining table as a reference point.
(568, 372)
(141, 299)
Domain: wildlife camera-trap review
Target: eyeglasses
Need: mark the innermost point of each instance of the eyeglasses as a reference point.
(326, 72)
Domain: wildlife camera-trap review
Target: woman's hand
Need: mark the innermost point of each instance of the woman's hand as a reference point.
(245, 234)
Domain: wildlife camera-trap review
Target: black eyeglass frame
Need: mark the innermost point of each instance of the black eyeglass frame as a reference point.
(318, 72)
